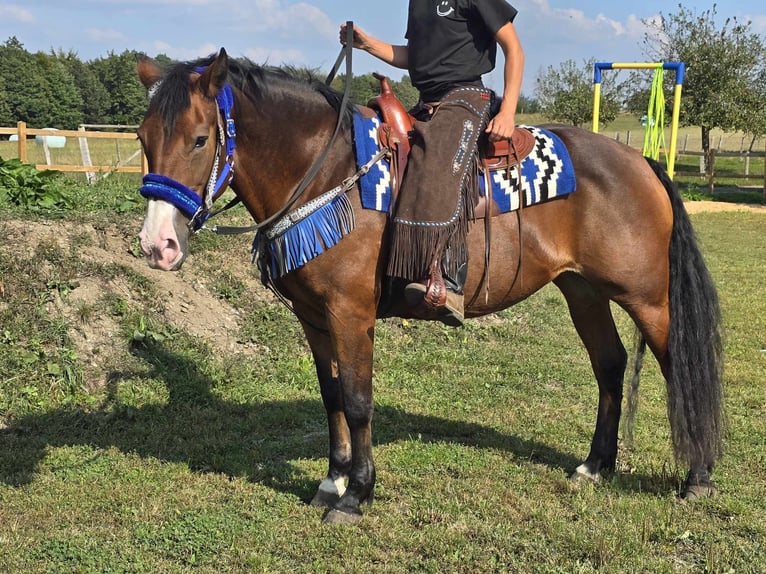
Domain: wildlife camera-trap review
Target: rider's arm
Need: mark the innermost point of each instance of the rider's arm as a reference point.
(396, 56)
(502, 125)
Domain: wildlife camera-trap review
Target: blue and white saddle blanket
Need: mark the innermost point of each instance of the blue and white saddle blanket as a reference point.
(307, 232)
(546, 173)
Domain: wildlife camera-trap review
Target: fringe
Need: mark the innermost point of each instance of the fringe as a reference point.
(415, 247)
(308, 238)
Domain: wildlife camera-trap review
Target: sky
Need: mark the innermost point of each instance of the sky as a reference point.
(305, 33)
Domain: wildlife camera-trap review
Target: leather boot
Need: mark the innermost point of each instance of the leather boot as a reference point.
(442, 295)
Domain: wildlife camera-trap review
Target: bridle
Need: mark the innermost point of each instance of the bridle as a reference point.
(199, 209)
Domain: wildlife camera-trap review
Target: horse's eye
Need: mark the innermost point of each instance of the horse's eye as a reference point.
(201, 141)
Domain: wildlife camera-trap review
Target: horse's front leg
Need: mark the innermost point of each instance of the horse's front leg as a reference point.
(334, 484)
(352, 333)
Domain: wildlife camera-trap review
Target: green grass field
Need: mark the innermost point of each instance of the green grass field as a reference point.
(130, 443)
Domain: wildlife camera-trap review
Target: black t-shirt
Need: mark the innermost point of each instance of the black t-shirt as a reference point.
(452, 42)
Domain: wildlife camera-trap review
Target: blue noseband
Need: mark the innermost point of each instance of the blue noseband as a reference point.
(158, 186)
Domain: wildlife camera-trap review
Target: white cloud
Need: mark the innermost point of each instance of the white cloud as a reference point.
(275, 57)
(758, 23)
(17, 13)
(184, 54)
(289, 20)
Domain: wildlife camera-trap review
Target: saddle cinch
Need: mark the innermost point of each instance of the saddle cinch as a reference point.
(395, 134)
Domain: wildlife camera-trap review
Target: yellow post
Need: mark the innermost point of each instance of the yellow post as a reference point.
(596, 105)
(22, 127)
(674, 130)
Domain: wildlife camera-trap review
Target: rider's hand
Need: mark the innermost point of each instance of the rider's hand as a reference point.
(361, 40)
(501, 126)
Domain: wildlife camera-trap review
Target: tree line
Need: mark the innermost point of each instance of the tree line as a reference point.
(724, 86)
(59, 90)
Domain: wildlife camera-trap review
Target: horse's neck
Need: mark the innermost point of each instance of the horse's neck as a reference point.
(276, 147)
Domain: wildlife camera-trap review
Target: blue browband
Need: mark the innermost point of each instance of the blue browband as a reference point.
(186, 200)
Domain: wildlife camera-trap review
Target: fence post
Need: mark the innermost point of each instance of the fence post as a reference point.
(711, 175)
(22, 127)
(90, 176)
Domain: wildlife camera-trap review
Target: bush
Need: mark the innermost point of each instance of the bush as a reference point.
(29, 188)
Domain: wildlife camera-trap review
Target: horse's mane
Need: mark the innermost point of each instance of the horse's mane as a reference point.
(256, 81)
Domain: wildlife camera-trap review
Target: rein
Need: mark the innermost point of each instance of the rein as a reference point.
(345, 53)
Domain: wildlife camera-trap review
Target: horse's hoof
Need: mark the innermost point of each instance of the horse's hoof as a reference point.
(325, 499)
(694, 491)
(334, 516)
(582, 476)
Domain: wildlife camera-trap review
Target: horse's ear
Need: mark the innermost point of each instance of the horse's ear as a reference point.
(148, 71)
(213, 79)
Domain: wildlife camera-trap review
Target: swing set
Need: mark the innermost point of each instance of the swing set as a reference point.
(654, 134)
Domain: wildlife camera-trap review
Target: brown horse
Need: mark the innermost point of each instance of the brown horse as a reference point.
(623, 236)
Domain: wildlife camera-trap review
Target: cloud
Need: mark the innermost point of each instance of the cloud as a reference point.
(758, 23)
(275, 57)
(17, 13)
(577, 24)
(289, 20)
(184, 54)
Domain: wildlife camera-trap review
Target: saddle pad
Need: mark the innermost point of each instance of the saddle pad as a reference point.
(546, 173)
(375, 185)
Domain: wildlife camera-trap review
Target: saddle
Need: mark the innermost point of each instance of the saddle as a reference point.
(395, 134)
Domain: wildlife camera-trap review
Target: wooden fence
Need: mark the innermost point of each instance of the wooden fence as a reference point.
(22, 133)
(744, 154)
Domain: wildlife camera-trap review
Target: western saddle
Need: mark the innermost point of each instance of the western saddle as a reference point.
(395, 134)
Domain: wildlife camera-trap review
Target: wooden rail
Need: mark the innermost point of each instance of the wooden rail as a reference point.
(23, 132)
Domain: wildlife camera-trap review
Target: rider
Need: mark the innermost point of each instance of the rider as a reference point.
(450, 45)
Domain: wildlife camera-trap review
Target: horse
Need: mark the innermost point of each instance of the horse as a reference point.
(622, 236)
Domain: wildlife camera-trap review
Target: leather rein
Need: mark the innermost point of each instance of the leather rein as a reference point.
(279, 215)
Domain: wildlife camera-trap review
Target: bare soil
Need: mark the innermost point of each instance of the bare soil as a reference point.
(183, 297)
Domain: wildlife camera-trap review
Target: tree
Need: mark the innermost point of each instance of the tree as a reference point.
(527, 105)
(127, 96)
(95, 99)
(25, 86)
(722, 68)
(566, 94)
(64, 103)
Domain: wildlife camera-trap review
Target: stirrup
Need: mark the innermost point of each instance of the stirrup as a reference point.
(450, 312)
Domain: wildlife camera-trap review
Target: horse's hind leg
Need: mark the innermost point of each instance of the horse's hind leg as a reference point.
(593, 320)
(334, 484)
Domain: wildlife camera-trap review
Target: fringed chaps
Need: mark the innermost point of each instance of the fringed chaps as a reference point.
(440, 187)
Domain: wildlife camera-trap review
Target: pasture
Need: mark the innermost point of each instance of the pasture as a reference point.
(154, 422)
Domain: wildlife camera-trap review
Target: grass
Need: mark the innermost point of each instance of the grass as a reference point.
(175, 457)
(179, 458)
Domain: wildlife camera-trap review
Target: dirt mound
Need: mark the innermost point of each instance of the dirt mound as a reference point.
(183, 298)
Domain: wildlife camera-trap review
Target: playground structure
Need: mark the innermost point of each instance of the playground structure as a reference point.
(655, 129)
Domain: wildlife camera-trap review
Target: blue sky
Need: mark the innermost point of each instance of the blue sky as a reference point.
(305, 32)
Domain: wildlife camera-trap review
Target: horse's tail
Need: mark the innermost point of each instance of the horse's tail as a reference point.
(695, 346)
(631, 403)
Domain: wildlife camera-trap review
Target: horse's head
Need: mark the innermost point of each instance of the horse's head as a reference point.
(183, 137)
